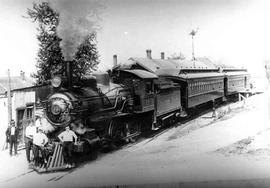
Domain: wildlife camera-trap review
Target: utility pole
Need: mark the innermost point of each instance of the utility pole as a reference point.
(9, 99)
(193, 33)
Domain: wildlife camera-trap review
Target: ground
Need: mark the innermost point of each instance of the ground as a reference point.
(230, 150)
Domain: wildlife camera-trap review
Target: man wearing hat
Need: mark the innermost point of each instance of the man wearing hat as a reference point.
(12, 135)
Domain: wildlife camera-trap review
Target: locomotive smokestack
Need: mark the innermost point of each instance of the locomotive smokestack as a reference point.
(114, 60)
(148, 54)
(162, 55)
(69, 70)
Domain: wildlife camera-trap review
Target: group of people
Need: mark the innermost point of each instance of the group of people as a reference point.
(37, 141)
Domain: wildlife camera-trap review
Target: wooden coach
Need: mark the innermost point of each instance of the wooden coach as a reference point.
(199, 88)
(235, 81)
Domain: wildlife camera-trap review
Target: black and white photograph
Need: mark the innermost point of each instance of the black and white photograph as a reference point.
(134, 93)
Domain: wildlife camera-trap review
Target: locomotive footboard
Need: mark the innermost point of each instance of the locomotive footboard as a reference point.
(55, 161)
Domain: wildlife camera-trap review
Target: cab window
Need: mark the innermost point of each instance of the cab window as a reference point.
(148, 87)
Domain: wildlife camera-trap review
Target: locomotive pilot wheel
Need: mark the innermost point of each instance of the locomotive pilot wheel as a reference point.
(122, 132)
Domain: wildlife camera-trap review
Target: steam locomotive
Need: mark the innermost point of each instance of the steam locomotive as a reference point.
(109, 110)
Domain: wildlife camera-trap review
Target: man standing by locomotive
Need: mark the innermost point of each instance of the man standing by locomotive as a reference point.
(30, 131)
(39, 141)
(66, 137)
(12, 135)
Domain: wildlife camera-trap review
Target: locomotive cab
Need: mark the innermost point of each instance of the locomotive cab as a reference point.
(156, 97)
(142, 85)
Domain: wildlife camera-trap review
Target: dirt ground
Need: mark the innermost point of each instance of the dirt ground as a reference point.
(230, 150)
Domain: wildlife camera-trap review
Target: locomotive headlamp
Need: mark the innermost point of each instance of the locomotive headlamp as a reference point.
(56, 81)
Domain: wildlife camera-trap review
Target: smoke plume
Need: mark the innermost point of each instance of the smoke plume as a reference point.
(78, 18)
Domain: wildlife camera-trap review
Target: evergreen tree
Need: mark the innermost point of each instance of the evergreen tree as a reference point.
(86, 57)
(50, 60)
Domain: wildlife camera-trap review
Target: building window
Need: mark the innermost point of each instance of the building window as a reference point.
(29, 113)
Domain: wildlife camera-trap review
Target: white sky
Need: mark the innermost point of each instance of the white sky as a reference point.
(236, 32)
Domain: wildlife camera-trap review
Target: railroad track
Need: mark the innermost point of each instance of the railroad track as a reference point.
(18, 176)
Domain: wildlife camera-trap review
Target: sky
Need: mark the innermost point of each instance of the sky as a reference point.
(232, 31)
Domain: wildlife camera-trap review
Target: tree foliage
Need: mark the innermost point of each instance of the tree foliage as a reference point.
(86, 57)
(50, 60)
